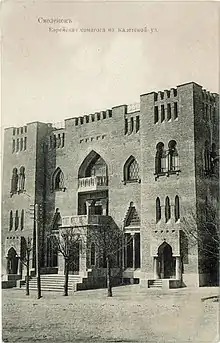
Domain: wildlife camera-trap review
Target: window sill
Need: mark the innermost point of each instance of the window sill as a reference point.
(167, 173)
(59, 190)
(131, 181)
(17, 192)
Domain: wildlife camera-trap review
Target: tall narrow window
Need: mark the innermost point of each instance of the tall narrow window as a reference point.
(173, 157)
(14, 132)
(156, 114)
(58, 141)
(160, 159)
(14, 181)
(63, 140)
(93, 257)
(13, 145)
(207, 112)
(168, 112)
(21, 144)
(22, 130)
(175, 110)
(22, 219)
(25, 129)
(214, 160)
(17, 145)
(54, 141)
(22, 179)
(206, 209)
(207, 157)
(16, 220)
(167, 209)
(126, 126)
(177, 208)
(132, 125)
(11, 221)
(25, 143)
(137, 123)
(158, 210)
(162, 113)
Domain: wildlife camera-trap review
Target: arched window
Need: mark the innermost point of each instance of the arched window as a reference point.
(160, 159)
(131, 170)
(22, 219)
(93, 257)
(58, 180)
(14, 181)
(158, 210)
(97, 168)
(21, 179)
(16, 220)
(207, 157)
(173, 157)
(94, 165)
(167, 209)
(11, 221)
(177, 208)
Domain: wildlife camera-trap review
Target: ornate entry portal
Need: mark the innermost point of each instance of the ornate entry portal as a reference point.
(166, 261)
(12, 265)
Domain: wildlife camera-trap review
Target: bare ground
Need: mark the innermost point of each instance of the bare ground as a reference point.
(132, 315)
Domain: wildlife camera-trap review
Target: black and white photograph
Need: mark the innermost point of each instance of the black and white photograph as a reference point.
(110, 171)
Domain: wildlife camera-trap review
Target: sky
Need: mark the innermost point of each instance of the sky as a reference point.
(49, 76)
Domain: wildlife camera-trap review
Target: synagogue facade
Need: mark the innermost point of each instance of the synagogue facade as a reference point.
(150, 169)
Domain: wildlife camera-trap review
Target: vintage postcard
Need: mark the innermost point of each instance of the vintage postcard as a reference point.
(110, 173)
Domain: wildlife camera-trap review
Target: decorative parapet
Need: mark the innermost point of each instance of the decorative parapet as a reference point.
(135, 107)
(92, 183)
(84, 220)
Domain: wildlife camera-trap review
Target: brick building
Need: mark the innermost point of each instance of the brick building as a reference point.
(144, 167)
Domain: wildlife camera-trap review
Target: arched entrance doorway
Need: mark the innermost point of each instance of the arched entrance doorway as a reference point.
(12, 265)
(166, 262)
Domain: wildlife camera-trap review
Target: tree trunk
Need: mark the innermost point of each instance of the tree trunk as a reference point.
(109, 279)
(27, 275)
(66, 278)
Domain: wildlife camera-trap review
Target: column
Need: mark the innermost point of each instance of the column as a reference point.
(133, 241)
(162, 267)
(178, 268)
(104, 203)
(155, 264)
(88, 206)
(125, 250)
(19, 270)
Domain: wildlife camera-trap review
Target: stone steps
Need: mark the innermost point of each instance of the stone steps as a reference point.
(54, 283)
(156, 284)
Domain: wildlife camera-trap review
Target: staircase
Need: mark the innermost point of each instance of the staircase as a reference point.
(155, 283)
(55, 283)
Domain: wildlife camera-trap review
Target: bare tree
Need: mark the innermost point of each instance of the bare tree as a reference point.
(25, 260)
(201, 229)
(68, 241)
(108, 240)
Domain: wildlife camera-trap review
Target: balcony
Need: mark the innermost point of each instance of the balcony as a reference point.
(92, 183)
(84, 220)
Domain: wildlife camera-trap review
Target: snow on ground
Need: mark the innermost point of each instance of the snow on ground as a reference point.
(133, 315)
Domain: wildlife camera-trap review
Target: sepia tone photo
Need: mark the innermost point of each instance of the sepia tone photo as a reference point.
(110, 172)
